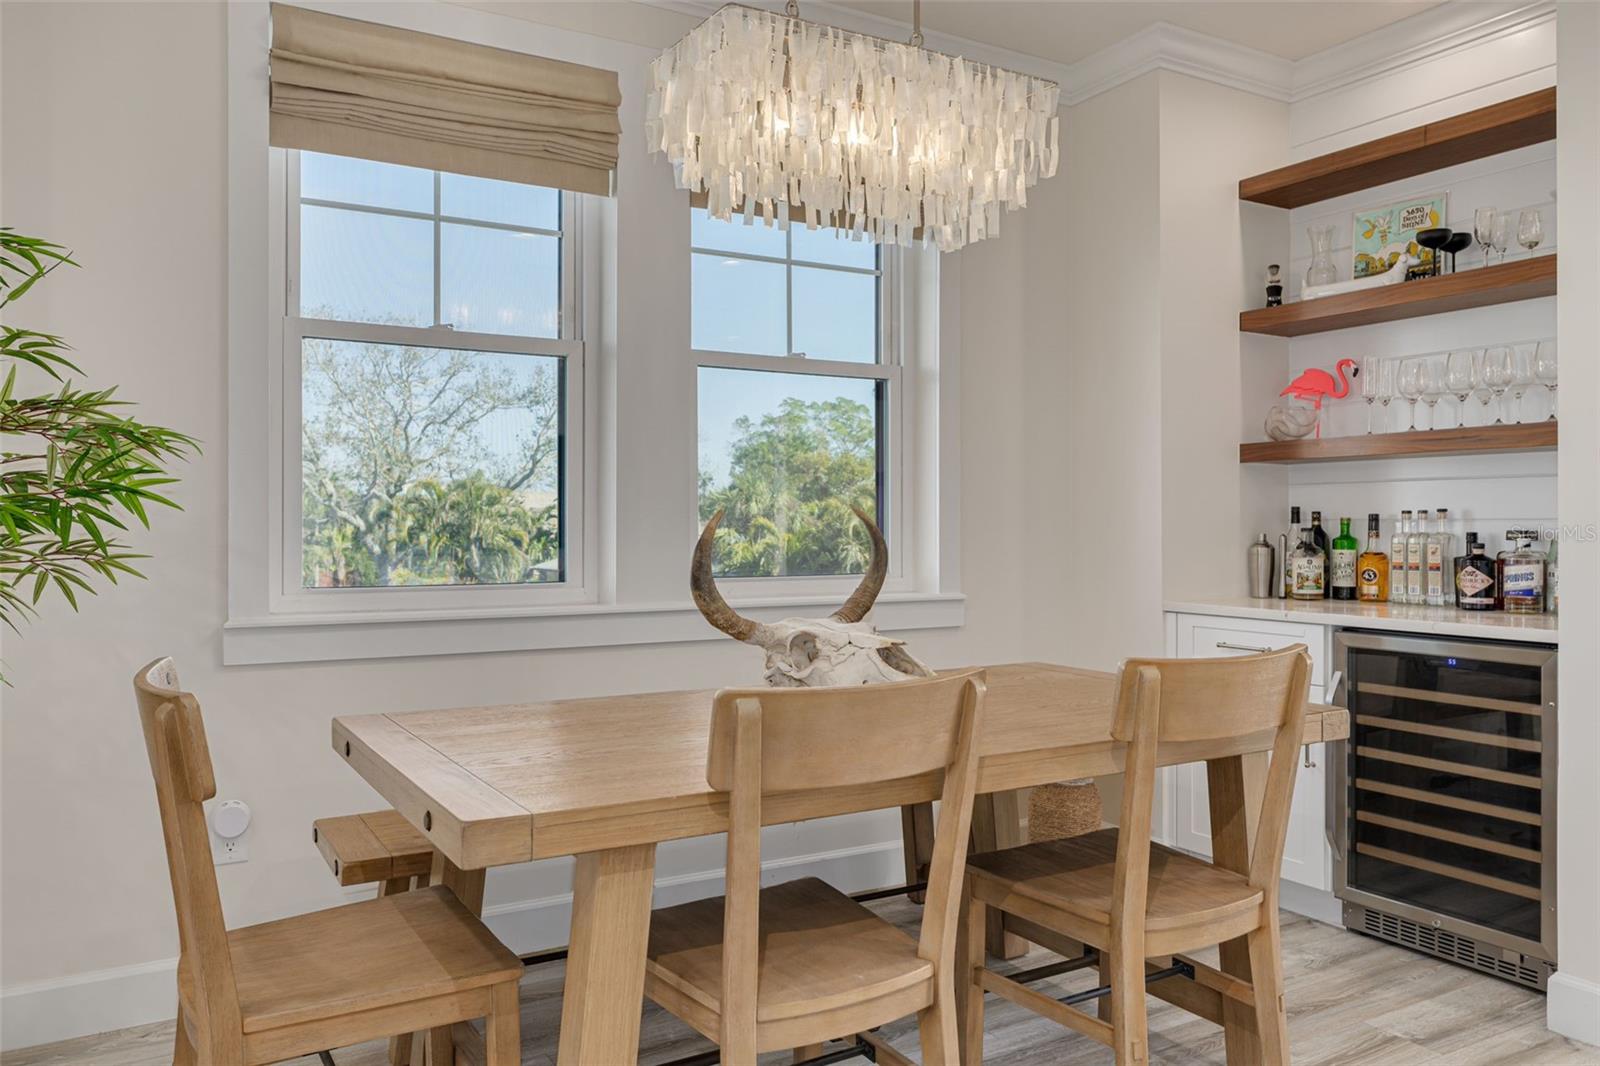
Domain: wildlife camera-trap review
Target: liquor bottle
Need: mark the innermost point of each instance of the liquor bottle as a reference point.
(1343, 569)
(1475, 583)
(1319, 537)
(1289, 545)
(1372, 568)
(1307, 564)
(1397, 559)
(1552, 586)
(1522, 575)
(1416, 559)
(1441, 547)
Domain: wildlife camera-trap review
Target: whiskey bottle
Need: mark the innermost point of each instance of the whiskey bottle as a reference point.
(1319, 537)
(1522, 575)
(1397, 559)
(1416, 559)
(1441, 547)
(1475, 583)
(1372, 568)
(1307, 564)
(1343, 568)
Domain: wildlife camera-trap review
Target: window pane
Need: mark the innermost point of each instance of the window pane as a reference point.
(823, 245)
(356, 266)
(785, 455)
(738, 306)
(429, 466)
(510, 202)
(758, 238)
(496, 281)
(362, 181)
(836, 314)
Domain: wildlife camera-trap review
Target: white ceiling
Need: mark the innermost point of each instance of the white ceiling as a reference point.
(1066, 31)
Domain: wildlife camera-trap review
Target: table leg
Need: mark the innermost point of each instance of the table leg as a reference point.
(1235, 787)
(604, 994)
(439, 1044)
(996, 824)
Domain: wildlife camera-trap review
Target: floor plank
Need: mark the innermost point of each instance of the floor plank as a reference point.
(1352, 1001)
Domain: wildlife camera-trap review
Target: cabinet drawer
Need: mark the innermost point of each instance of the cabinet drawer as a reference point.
(1202, 636)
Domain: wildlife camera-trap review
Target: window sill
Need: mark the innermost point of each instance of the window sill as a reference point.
(304, 638)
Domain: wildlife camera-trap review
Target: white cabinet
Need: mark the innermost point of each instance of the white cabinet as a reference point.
(1307, 856)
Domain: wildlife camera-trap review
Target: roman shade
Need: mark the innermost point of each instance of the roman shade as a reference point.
(357, 88)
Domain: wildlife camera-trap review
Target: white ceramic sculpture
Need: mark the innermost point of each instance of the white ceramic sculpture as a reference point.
(1290, 420)
(1393, 276)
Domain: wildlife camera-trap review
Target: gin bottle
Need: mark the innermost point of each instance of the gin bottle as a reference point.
(1343, 571)
(1397, 559)
(1416, 559)
(1441, 551)
(1306, 564)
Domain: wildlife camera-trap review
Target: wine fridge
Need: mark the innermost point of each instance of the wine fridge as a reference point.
(1444, 799)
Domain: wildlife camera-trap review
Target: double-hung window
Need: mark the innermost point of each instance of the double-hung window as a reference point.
(433, 375)
(799, 380)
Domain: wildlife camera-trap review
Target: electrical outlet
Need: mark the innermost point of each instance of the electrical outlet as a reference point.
(225, 851)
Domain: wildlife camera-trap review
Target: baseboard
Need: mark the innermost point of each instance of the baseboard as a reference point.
(1572, 1008)
(1310, 902)
(43, 1012)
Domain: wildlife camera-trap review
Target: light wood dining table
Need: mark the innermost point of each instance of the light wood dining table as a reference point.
(607, 779)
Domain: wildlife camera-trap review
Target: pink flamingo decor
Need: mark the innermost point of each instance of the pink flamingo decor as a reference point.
(1314, 385)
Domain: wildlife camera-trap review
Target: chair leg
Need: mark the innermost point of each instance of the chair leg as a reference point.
(402, 1050)
(936, 1025)
(969, 960)
(503, 1027)
(183, 1053)
(1130, 1030)
(809, 1051)
(1266, 975)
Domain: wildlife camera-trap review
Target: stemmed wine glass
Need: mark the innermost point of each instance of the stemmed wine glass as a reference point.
(1483, 229)
(1461, 375)
(1369, 385)
(1521, 376)
(1386, 372)
(1411, 386)
(1530, 228)
(1432, 386)
(1544, 368)
(1497, 375)
(1500, 234)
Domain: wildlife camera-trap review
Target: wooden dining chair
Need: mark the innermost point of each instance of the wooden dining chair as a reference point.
(797, 964)
(276, 991)
(1134, 901)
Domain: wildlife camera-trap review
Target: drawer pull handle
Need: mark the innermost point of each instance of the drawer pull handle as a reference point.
(1240, 647)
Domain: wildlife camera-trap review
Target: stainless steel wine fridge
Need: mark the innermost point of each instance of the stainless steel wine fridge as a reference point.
(1444, 802)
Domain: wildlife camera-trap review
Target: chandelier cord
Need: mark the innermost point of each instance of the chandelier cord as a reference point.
(916, 23)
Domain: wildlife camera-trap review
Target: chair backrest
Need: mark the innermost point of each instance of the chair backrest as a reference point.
(180, 761)
(1255, 702)
(806, 739)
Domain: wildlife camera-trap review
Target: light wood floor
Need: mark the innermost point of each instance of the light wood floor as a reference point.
(1352, 1000)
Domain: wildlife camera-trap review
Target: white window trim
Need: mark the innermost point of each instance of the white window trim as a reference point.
(614, 614)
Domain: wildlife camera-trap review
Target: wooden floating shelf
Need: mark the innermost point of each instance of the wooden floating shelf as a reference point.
(1514, 123)
(1520, 279)
(1536, 436)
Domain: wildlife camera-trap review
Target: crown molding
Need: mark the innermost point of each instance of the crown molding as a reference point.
(1164, 46)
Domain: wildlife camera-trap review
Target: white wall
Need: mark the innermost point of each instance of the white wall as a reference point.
(124, 160)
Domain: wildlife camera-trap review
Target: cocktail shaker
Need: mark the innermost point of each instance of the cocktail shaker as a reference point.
(1260, 568)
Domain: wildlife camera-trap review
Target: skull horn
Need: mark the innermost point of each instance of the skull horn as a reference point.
(703, 587)
(861, 600)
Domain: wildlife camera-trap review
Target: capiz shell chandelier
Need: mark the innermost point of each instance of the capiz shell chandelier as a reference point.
(756, 108)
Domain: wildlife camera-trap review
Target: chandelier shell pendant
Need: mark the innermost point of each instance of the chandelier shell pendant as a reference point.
(891, 141)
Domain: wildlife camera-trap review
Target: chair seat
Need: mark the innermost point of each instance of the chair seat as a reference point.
(820, 950)
(375, 846)
(1078, 876)
(397, 949)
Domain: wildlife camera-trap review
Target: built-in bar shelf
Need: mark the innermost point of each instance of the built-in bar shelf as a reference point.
(1520, 279)
(1536, 436)
(1514, 123)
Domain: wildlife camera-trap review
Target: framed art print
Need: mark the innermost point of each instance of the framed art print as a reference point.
(1381, 235)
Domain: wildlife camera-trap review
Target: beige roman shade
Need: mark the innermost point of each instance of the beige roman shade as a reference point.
(356, 88)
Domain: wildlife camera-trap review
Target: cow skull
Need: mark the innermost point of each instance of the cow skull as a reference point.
(812, 652)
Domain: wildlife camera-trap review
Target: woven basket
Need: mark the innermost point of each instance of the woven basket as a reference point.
(1064, 809)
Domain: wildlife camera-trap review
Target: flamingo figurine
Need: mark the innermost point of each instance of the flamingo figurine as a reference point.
(1315, 384)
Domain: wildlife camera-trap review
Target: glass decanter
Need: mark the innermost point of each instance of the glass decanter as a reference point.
(1322, 270)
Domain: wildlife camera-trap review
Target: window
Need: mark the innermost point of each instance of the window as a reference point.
(798, 387)
(431, 382)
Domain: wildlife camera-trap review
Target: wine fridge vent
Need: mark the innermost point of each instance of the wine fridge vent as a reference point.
(1463, 949)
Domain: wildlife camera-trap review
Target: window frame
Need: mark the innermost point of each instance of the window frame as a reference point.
(285, 591)
(894, 434)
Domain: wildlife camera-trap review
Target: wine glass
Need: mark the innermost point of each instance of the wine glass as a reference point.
(1461, 375)
(1530, 228)
(1411, 386)
(1544, 368)
(1497, 375)
(1521, 376)
(1500, 234)
(1483, 229)
(1369, 386)
(1432, 386)
(1386, 369)
(1433, 239)
(1458, 242)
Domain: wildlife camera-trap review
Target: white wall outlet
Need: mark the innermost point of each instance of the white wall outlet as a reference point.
(225, 851)
(229, 819)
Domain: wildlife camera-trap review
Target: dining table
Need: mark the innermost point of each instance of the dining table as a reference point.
(607, 779)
